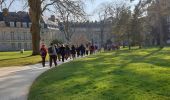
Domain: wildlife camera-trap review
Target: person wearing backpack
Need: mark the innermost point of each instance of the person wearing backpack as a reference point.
(52, 54)
(43, 53)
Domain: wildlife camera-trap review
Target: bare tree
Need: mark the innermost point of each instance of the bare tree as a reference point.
(103, 12)
(68, 17)
(157, 11)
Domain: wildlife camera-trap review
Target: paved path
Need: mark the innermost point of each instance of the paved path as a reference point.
(16, 81)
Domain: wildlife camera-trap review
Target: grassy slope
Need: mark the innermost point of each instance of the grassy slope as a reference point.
(8, 59)
(121, 75)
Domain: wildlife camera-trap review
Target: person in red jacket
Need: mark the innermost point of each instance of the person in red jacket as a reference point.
(43, 53)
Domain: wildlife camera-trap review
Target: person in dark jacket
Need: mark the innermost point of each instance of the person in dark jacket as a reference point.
(67, 52)
(82, 50)
(62, 51)
(73, 51)
(78, 51)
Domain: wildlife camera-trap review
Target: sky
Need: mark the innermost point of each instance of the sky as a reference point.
(90, 6)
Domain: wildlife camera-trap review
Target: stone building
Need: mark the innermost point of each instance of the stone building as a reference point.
(15, 31)
(93, 32)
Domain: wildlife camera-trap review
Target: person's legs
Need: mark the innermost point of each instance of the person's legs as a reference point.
(51, 60)
(59, 57)
(55, 59)
(86, 52)
(43, 61)
(63, 57)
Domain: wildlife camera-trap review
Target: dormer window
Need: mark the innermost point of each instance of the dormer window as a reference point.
(12, 24)
(24, 24)
(18, 24)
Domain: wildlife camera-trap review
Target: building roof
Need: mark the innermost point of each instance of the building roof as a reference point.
(15, 17)
(22, 16)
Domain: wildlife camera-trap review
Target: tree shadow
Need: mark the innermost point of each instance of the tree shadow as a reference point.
(16, 58)
(152, 53)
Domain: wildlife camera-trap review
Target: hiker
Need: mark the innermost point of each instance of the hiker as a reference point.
(52, 54)
(87, 49)
(67, 52)
(78, 51)
(62, 51)
(59, 53)
(91, 49)
(73, 52)
(82, 50)
(43, 53)
(95, 49)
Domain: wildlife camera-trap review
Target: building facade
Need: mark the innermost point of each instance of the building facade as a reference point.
(91, 32)
(15, 31)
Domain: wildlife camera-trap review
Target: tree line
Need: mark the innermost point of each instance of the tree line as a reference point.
(141, 24)
(144, 23)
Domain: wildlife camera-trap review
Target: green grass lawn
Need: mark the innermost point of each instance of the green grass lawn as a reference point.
(122, 75)
(8, 59)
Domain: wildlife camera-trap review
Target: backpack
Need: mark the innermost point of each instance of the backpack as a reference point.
(43, 52)
(50, 50)
(57, 50)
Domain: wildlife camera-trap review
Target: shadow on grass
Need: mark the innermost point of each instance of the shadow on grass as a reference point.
(16, 58)
(99, 77)
(152, 53)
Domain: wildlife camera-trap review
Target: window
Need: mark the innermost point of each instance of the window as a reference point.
(12, 24)
(30, 25)
(3, 36)
(19, 45)
(12, 35)
(25, 45)
(24, 24)
(13, 45)
(19, 36)
(18, 24)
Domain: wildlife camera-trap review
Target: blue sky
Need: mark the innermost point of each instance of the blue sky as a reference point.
(90, 6)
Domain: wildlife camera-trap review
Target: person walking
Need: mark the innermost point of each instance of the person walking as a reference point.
(73, 52)
(67, 52)
(62, 51)
(87, 49)
(52, 54)
(78, 51)
(43, 53)
(91, 49)
(59, 53)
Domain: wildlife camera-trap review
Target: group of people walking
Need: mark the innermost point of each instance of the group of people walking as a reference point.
(62, 52)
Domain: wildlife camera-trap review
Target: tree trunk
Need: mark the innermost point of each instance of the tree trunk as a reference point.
(129, 42)
(35, 13)
(161, 34)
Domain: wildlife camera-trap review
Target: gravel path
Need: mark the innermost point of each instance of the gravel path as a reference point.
(16, 81)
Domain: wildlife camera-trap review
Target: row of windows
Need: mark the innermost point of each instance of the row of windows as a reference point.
(24, 25)
(21, 45)
(15, 36)
(15, 46)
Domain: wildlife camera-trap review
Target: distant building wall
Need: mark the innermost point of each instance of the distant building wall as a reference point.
(13, 39)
